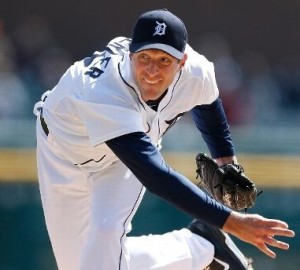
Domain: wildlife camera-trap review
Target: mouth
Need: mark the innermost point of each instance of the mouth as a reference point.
(151, 81)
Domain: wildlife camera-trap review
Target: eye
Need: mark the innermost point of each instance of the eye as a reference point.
(144, 58)
(165, 61)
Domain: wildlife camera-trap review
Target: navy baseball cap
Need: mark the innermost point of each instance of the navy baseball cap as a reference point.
(159, 29)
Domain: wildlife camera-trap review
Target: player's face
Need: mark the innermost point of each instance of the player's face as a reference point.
(154, 71)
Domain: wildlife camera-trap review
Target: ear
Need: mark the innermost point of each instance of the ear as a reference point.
(183, 60)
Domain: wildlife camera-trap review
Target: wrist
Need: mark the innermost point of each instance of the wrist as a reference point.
(226, 160)
(232, 222)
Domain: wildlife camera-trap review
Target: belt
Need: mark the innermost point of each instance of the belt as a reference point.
(44, 125)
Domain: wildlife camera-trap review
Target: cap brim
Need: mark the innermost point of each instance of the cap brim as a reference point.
(166, 48)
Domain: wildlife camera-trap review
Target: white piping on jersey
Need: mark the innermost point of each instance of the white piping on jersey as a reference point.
(135, 205)
(160, 135)
(86, 162)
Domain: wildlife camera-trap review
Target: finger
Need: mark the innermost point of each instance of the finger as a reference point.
(281, 232)
(263, 247)
(277, 223)
(276, 243)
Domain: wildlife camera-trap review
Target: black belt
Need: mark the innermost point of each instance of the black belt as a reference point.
(44, 125)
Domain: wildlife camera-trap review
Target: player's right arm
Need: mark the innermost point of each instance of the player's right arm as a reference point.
(137, 152)
(144, 160)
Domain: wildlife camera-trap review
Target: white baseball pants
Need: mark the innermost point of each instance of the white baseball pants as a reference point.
(89, 214)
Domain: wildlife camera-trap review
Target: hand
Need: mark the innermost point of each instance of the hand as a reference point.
(258, 231)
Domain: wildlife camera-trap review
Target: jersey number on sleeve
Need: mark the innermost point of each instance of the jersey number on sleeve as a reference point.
(98, 62)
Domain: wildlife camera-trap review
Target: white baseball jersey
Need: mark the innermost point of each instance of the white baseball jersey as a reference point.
(97, 100)
(89, 196)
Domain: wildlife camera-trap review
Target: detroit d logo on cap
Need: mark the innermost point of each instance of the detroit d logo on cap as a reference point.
(160, 29)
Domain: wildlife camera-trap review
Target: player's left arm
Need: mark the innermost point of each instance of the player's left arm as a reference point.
(226, 160)
(211, 121)
(232, 187)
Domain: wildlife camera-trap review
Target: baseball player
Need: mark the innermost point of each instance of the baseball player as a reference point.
(98, 138)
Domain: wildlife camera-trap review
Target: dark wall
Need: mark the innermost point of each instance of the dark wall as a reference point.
(270, 27)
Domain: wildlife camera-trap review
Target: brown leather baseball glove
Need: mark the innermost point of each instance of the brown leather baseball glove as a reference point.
(227, 184)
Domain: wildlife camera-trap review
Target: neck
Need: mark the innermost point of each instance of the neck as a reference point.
(153, 104)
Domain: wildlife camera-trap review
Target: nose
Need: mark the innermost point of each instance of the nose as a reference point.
(152, 68)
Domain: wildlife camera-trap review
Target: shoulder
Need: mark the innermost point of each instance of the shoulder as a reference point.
(118, 45)
(198, 76)
(103, 60)
(197, 64)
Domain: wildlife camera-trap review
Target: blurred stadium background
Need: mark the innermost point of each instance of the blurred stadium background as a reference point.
(255, 48)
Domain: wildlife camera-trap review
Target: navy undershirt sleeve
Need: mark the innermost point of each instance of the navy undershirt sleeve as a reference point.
(212, 123)
(145, 161)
